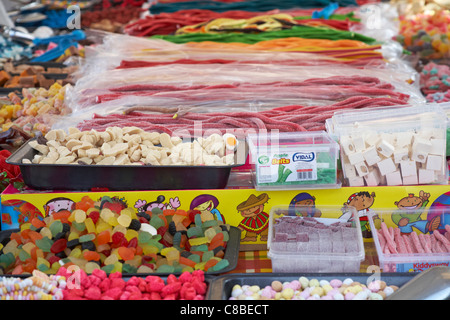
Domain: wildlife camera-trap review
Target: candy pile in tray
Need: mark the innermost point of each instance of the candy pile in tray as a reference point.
(113, 237)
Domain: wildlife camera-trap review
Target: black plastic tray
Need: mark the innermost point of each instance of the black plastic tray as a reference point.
(120, 178)
(222, 286)
(231, 253)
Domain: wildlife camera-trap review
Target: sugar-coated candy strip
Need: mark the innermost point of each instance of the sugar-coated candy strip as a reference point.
(381, 239)
(447, 231)
(399, 241)
(445, 242)
(389, 241)
(416, 242)
(424, 243)
(407, 244)
(434, 246)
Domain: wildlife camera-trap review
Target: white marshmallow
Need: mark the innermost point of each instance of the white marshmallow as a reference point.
(373, 178)
(438, 146)
(371, 156)
(426, 176)
(385, 148)
(434, 162)
(347, 145)
(349, 170)
(358, 143)
(403, 139)
(355, 158)
(419, 156)
(386, 166)
(422, 145)
(408, 168)
(401, 155)
(410, 180)
(394, 179)
(371, 138)
(356, 181)
(361, 169)
(388, 137)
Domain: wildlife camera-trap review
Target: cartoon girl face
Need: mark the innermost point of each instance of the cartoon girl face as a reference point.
(59, 204)
(205, 206)
(152, 205)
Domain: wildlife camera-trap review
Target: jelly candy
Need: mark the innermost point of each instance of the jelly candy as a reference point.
(124, 220)
(103, 237)
(56, 227)
(198, 241)
(87, 237)
(91, 256)
(58, 246)
(126, 253)
(80, 215)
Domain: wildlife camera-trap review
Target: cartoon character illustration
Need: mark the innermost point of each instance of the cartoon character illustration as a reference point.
(28, 212)
(255, 221)
(361, 201)
(410, 209)
(304, 204)
(58, 204)
(441, 207)
(207, 204)
(143, 206)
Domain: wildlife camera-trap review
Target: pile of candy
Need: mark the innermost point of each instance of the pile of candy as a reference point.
(313, 289)
(38, 286)
(392, 241)
(36, 111)
(427, 35)
(113, 237)
(100, 286)
(435, 82)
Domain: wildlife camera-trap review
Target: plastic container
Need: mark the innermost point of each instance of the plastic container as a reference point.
(123, 178)
(333, 244)
(221, 286)
(403, 145)
(281, 161)
(409, 262)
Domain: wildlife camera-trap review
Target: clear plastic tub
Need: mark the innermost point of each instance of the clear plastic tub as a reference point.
(327, 243)
(291, 160)
(410, 224)
(393, 146)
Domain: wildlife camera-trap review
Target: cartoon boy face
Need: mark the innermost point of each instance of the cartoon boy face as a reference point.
(410, 202)
(252, 212)
(362, 201)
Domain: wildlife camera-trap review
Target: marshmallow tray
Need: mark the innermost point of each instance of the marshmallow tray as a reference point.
(114, 177)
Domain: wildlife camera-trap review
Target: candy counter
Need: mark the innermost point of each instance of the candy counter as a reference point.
(223, 150)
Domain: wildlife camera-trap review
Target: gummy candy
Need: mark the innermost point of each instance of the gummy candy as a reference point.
(172, 240)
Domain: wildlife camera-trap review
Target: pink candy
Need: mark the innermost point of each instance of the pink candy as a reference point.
(392, 241)
(100, 286)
